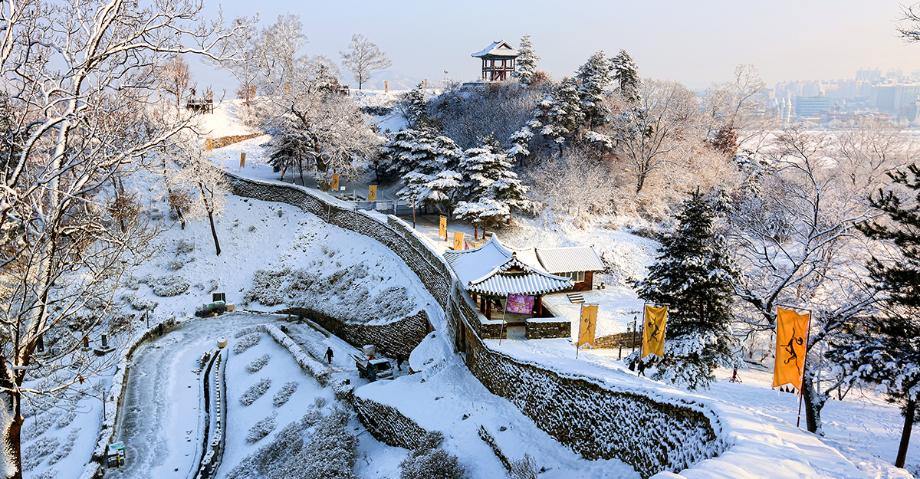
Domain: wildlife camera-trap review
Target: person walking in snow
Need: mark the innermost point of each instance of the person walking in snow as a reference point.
(399, 361)
(329, 355)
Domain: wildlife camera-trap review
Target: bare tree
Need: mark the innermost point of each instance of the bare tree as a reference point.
(79, 78)
(736, 110)
(649, 135)
(277, 55)
(175, 78)
(195, 179)
(796, 244)
(364, 58)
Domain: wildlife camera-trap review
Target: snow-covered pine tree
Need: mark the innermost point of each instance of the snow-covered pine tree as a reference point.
(693, 276)
(289, 148)
(491, 188)
(559, 115)
(520, 144)
(594, 78)
(432, 178)
(396, 157)
(626, 74)
(526, 63)
(415, 107)
(885, 349)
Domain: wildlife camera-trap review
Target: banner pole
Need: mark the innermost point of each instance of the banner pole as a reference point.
(798, 418)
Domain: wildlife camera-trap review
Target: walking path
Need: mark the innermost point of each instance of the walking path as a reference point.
(159, 416)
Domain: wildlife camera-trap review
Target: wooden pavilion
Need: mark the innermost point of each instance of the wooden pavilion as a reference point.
(497, 61)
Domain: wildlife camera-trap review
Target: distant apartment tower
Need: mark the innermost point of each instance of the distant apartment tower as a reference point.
(898, 100)
(812, 106)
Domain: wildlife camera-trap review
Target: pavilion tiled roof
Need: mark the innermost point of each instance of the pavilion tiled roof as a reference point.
(493, 269)
(498, 48)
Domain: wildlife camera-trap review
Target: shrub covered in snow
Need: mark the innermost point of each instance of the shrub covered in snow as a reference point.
(35, 453)
(347, 293)
(430, 461)
(258, 363)
(262, 428)
(138, 303)
(65, 448)
(246, 342)
(255, 391)
(184, 246)
(166, 286)
(524, 468)
(285, 393)
(431, 464)
(329, 454)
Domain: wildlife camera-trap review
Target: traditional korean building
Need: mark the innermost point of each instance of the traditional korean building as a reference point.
(577, 263)
(497, 61)
(507, 290)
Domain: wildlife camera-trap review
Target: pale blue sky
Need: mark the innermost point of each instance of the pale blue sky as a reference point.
(695, 42)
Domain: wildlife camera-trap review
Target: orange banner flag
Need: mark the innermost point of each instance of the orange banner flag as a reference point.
(334, 184)
(588, 325)
(372, 193)
(791, 346)
(442, 228)
(458, 240)
(654, 322)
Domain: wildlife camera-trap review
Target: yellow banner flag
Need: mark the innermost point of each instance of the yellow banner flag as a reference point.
(791, 346)
(442, 228)
(588, 324)
(372, 193)
(334, 185)
(654, 323)
(458, 240)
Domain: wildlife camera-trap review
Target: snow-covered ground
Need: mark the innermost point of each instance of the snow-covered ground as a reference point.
(444, 396)
(159, 423)
(283, 375)
(760, 421)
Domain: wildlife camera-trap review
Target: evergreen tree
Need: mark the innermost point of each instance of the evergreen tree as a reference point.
(885, 350)
(559, 115)
(491, 188)
(428, 162)
(692, 275)
(415, 107)
(289, 148)
(526, 64)
(594, 78)
(626, 74)
(520, 144)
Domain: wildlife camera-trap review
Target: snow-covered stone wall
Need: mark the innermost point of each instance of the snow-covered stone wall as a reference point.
(395, 339)
(387, 424)
(651, 432)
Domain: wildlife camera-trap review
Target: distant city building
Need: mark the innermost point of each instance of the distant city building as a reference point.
(812, 106)
(898, 100)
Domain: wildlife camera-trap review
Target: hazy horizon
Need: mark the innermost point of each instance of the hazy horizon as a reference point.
(696, 44)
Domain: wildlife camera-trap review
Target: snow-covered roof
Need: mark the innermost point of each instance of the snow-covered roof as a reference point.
(498, 48)
(495, 269)
(473, 264)
(521, 281)
(569, 259)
